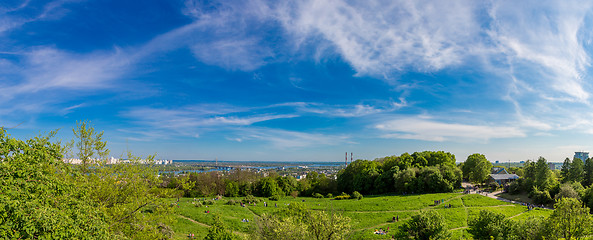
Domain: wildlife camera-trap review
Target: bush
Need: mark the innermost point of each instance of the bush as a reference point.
(428, 224)
(198, 204)
(317, 195)
(356, 195)
(540, 197)
(515, 187)
(231, 202)
(342, 197)
(274, 197)
(329, 195)
(493, 186)
(490, 225)
(208, 202)
(250, 199)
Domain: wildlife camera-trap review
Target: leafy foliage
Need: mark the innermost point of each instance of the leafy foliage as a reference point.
(476, 168)
(490, 225)
(38, 197)
(42, 197)
(428, 224)
(297, 222)
(570, 219)
(356, 195)
(218, 231)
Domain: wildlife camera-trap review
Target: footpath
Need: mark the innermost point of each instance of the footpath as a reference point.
(494, 195)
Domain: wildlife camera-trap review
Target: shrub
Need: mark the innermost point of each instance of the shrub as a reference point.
(198, 204)
(317, 195)
(428, 224)
(356, 195)
(250, 199)
(342, 196)
(540, 197)
(231, 202)
(515, 187)
(274, 197)
(208, 202)
(492, 225)
(493, 186)
(329, 195)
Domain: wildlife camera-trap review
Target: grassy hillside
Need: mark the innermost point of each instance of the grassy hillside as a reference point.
(368, 214)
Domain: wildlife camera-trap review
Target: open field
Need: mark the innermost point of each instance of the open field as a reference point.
(368, 214)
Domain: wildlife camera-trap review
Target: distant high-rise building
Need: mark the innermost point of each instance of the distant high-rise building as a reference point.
(581, 155)
(552, 166)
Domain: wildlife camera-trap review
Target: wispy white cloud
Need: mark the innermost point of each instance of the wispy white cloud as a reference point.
(379, 37)
(347, 111)
(291, 139)
(421, 128)
(190, 121)
(9, 19)
(548, 34)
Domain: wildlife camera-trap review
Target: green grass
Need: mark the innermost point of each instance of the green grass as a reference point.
(183, 227)
(367, 214)
(476, 200)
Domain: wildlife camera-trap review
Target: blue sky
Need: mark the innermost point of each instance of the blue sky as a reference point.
(303, 80)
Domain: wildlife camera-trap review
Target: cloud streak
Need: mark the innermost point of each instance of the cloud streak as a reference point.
(430, 130)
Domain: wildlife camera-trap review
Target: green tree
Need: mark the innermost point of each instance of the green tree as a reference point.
(533, 228)
(296, 222)
(570, 220)
(565, 170)
(268, 187)
(588, 173)
(567, 191)
(218, 231)
(576, 171)
(327, 225)
(39, 196)
(89, 143)
(476, 168)
(490, 225)
(231, 188)
(544, 178)
(428, 224)
(405, 180)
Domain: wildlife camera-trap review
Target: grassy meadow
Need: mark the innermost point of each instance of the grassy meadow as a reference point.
(368, 214)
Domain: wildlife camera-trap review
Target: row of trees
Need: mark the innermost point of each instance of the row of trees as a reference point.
(577, 170)
(420, 172)
(243, 183)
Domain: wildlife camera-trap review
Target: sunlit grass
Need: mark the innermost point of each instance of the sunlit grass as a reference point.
(368, 214)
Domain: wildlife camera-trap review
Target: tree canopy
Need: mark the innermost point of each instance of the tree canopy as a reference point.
(476, 168)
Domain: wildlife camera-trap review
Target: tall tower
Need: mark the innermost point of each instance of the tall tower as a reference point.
(346, 159)
(350, 157)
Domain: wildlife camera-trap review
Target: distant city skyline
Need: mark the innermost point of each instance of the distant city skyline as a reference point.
(260, 80)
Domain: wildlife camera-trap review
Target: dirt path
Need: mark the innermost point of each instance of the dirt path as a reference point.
(194, 221)
(517, 215)
(401, 219)
(208, 226)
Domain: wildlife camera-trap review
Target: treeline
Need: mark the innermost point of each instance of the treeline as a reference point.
(420, 172)
(545, 186)
(243, 183)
